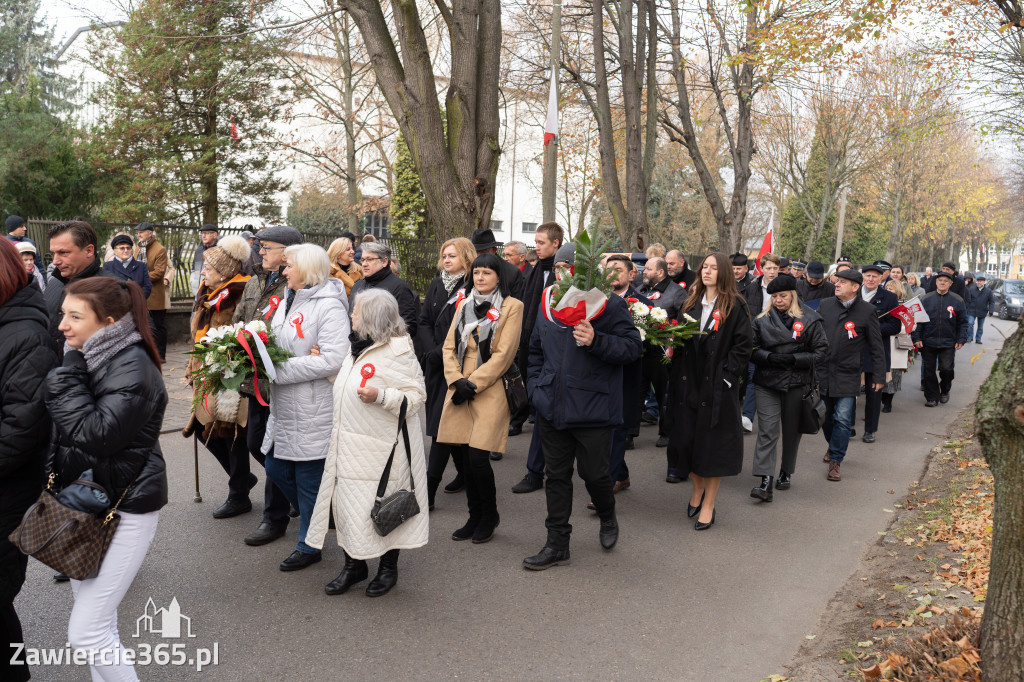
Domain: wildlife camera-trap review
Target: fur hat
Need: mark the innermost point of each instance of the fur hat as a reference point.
(229, 256)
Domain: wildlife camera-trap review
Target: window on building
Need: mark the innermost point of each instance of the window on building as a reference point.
(496, 225)
(529, 227)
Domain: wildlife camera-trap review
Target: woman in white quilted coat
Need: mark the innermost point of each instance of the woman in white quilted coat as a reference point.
(365, 430)
(311, 323)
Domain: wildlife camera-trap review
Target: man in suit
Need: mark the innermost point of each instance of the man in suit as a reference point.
(890, 325)
(153, 255)
(667, 295)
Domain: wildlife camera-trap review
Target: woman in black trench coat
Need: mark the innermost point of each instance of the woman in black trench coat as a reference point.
(455, 266)
(705, 389)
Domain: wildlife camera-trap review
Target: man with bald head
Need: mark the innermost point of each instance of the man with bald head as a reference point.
(678, 271)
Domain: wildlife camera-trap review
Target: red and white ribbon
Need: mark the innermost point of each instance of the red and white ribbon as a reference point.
(296, 322)
(275, 301)
(219, 298)
(655, 296)
(268, 364)
(851, 329)
(716, 315)
(951, 313)
(797, 328)
(493, 314)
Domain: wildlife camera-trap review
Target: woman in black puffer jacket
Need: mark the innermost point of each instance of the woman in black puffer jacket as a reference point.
(26, 355)
(107, 402)
(788, 340)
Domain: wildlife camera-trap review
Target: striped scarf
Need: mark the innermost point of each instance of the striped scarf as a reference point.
(141, 256)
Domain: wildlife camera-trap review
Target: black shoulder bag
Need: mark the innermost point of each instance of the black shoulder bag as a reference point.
(390, 512)
(812, 407)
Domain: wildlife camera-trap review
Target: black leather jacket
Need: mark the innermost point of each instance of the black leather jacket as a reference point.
(109, 421)
(774, 335)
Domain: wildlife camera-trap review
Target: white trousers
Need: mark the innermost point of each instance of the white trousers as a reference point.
(93, 625)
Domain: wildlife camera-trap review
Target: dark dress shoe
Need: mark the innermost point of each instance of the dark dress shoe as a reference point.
(466, 532)
(355, 571)
(60, 578)
(293, 513)
(253, 481)
(263, 534)
(853, 432)
(868, 437)
(692, 511)
(704, 526)
(672, 476)
(763, 492)
(485, 529)
(232, 508)
(528, 484)
(648, 418)
(547, 558)
(387, 575)
(457, 485)
(496, 456)
(297, 561)
(930, 403)
(886, 407)
(782, 483)
(662, 442)
(514, 430)
(944, 398)
(629, 443)
(609, 533)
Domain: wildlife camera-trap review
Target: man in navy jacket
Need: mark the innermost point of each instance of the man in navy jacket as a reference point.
(940, 338)
(575, 382)
(125, 267)
(884, 301)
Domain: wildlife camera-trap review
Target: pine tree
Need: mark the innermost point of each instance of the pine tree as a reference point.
(408, 203)
(187, 127)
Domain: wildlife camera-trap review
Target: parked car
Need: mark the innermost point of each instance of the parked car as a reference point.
(1008, 297)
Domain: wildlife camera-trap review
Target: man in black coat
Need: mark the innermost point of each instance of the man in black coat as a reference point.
(940, 338)
(377, 274)
(852, 327)
(665, 294)
(741, 271)
(979, 306)
(74, 247)
(813, 286)
(485, 242)
(958, 286)
(890, 325)
(678, 271)
(547, 240)
(575, 383)
(125, 267)
(659, 287)
(515, 253)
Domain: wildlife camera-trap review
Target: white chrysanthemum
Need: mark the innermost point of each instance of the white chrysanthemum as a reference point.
(688, 318)
(640, 309)
(659, 314)
(256, 326)
(643, 334)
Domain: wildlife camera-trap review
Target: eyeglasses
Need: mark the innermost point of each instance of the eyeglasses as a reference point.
(271, 248)
(368, 260)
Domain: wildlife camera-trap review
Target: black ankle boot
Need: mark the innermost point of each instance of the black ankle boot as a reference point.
(763, 492)
(783, 482)
(355, 571)
(887, 402)
(387, 575)
(485, 529)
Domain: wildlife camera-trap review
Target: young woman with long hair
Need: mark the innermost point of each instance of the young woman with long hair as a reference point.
(706, 387)
(107, 403)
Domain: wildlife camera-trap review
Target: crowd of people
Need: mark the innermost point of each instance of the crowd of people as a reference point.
(371, 368)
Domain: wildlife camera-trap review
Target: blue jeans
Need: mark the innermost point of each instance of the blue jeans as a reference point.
(838, 422)
(970, 327)
(300, 483)
(749, 403)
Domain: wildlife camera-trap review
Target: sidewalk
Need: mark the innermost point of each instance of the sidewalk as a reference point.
(179, 393)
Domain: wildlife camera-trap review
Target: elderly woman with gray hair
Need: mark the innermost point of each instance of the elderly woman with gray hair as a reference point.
(380, 375)
(377, 274)
(311, 323)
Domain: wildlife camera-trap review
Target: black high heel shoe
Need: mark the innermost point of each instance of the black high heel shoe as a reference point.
(692, 511)
(704, 526)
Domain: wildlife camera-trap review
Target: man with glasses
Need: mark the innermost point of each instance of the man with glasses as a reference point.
(264, 291)
(377, 274)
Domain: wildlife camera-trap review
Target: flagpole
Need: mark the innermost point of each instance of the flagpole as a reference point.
(550, 183)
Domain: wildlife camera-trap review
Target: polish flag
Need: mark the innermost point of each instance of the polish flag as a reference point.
(911, 313)
(766, 247)
(551, 123)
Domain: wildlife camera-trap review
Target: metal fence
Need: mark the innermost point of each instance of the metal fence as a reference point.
(417, 257)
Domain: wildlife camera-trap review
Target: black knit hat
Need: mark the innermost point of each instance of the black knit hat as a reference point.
(783, 282)
(14, 222)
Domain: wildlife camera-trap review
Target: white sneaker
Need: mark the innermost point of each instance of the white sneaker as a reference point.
(748, 425)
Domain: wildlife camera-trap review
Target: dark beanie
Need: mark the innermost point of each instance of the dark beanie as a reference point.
(14, 222)
(121, 239)
(782, 283)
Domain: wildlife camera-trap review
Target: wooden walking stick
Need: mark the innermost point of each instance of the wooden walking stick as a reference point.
(195, 455)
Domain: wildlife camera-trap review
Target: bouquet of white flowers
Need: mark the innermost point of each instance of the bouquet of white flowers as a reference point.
(227, 355)
(655, 326)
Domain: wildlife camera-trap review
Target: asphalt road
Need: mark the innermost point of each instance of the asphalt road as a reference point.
(732, 603)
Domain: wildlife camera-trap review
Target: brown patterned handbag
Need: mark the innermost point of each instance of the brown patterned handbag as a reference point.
(67, 540)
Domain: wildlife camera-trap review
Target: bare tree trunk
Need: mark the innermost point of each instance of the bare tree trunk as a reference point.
(1000, 416)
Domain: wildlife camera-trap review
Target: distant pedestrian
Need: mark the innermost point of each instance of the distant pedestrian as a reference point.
(706, 385)
(125, 267)
(208, 236)
(151, 253)
(16, 231)
(979, 306)
(814, 286)
(343, 266)
(940, 338)
(27, 252)
(366, 412)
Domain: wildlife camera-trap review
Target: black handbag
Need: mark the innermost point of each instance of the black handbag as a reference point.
(390, 512)
(812, 408)
(515, 390)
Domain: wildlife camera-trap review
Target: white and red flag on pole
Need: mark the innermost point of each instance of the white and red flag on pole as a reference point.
(551, 123)
(767, 246)
(911, 313)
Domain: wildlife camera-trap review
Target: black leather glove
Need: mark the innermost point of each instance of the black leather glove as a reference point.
(782, 359)
(464, 390)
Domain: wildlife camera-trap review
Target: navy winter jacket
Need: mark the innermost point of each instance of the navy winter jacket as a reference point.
(979, 301)
(581, 386)
(947, 325)
(135, 272)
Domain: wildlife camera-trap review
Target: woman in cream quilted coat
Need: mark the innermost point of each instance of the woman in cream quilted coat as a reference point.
(365, 430)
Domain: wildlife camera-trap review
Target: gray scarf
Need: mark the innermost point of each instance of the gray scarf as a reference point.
(108, 342)
(142, 249)
(450, 281)
(474, 317)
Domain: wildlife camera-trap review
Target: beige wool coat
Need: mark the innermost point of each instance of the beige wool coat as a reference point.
(482, 422)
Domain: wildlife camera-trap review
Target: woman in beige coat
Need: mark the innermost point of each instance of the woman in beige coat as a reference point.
(481, 346)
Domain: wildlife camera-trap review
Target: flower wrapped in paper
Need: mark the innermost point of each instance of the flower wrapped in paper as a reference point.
(233, 353)
(581, 293)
